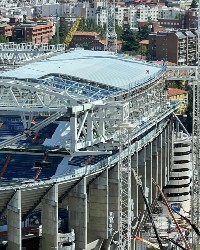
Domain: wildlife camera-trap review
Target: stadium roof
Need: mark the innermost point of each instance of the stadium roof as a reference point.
(97, 66)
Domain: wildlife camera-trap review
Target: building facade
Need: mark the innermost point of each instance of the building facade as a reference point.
(178, 47)
(36, 33)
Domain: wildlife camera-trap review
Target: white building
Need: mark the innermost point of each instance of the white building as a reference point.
(39, 2)
(169, 12)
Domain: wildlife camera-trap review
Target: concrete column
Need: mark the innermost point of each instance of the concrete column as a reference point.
(167, 153)
(165, 158)
(149, 171)
(154, 166)
(14, 222)
(98, 208)
(142, 173)
(78, 213)
(160, 165)
(113, 182)
(50, 219)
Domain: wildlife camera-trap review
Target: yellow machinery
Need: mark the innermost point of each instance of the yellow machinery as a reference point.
(71, 33)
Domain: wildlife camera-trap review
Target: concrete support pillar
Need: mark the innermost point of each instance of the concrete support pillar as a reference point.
(167, 150)
(142, 173)
(154, 166)
(113, 182)
(14, 222)
(78, 213)
(164, 158)
(149, 171)
(160, 155)
(98, 208)
(50, 219)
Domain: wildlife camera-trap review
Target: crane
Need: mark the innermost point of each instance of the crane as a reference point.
(111, 36)
(71, 32)
(196, 148)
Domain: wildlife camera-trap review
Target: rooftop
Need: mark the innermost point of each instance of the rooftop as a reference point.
(84, 33)
(96, 66)
(174, 91)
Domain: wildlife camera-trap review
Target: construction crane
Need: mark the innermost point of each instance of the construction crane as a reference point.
(111, 36)
(196, 148)
(71, 33)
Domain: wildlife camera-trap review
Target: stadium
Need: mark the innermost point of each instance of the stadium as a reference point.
(74, 129)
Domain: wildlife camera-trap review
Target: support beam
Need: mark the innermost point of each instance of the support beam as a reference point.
(14, 222)
(149, 171)
(142, 173)
(154, 166)
(50, 219)
(98, 208)
(160, 163)
(78, 213)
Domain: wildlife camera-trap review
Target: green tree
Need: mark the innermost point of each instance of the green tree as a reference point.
(3, 39)
(130, 41)
(144, 32)
(194, 4)
(119, 31)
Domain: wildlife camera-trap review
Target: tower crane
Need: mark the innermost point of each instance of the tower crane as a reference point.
(111, 36)
(72, 32)
(196, 148)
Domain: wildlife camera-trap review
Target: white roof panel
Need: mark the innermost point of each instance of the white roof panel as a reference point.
(98, 66)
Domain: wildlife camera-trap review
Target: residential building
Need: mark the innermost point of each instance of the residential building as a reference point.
(36, 33)
(98, 44)
(180, 95)
(191, 18)
(178, 47)
(83, 38)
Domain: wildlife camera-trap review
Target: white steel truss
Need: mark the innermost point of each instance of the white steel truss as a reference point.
(126, 203)
(181, 73)
(11, 53)
(30, 96)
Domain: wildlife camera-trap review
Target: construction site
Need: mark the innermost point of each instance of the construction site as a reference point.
(92, 153)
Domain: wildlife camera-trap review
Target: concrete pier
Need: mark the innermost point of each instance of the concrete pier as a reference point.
(50, 219)
(78, 213)
(14, 222)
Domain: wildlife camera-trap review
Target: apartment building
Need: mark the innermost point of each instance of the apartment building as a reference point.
(33, 32)
(191, 18)
(178, 47)
(180, 95)
(83, 38)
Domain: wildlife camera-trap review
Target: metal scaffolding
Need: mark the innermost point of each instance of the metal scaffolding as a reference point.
(196, 149)
(126, 203)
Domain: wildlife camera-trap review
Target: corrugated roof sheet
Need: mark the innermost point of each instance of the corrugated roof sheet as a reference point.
(97, 66)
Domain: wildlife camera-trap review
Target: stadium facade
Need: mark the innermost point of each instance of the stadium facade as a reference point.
(68, 125)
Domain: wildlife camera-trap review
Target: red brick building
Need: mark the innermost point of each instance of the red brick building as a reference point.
(36, 33)
(179, 47)
(83, 38)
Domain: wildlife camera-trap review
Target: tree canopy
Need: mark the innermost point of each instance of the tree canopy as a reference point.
(130, 41)
(194, 4)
